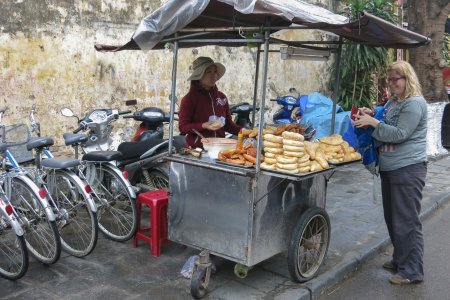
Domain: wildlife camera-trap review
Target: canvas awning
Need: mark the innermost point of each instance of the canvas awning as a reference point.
(216, 22)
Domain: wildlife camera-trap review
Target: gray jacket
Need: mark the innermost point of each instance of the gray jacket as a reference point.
(403, 134)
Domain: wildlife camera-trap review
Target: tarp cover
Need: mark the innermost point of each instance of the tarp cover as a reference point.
(176, 15)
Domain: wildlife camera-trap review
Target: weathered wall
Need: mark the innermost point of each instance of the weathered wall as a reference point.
(47, 57)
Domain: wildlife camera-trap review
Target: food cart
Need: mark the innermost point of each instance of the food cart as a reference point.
(249, 214)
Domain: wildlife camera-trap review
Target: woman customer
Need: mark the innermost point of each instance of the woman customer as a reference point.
(403, 169)
(205, 108)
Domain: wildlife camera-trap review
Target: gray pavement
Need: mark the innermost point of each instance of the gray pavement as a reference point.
(119, 271)
(374, 278)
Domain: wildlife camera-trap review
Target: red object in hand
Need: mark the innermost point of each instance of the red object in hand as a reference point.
(354, 112)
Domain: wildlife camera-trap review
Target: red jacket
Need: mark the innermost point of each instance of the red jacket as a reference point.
(195, 109)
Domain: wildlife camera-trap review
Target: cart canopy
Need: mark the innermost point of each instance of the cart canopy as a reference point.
(208, 20)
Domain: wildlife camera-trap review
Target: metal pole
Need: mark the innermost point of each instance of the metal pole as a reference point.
(245, 28)
(263, 98)
(172, 95)
(336, 85)
(255, 87)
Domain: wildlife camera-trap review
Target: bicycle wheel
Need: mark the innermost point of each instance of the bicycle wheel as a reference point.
(41, 234)
(13, 252)
(117, 212)
(77, 223)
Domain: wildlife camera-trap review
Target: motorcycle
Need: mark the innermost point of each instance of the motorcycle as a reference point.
(290, 111)
(242, 114)
(142, 158)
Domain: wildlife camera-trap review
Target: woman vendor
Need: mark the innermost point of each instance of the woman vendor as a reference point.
(205, 108)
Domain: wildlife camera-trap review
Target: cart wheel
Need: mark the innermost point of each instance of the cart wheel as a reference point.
(198, 283)
(309, 244)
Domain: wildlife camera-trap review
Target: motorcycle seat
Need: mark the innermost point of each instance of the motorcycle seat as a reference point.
(71, 138)
(39, 143)
(103, 156)
(131, 150)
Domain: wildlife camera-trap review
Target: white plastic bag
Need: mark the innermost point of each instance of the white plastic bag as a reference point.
(188, 267)
(376, 189)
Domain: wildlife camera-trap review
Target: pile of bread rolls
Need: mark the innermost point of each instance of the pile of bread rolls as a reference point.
(275, 130)
(287, 153)
(337, 150)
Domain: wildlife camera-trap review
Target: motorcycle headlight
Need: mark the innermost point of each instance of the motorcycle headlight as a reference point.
(152, 114)
(291, 100)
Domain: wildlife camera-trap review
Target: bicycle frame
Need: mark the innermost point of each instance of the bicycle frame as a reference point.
(111, 165)
(18, 171)
(8, 213)
(38, 177)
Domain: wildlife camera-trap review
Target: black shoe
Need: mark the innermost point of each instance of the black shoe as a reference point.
(389, 265)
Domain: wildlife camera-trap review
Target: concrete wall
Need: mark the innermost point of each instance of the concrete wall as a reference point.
(47, 57)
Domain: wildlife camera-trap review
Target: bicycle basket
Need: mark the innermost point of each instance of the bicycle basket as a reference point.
(16, 138)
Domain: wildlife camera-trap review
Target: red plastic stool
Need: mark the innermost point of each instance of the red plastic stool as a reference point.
(157, 202)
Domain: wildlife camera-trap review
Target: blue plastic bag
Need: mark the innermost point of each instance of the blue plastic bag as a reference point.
(317, 111)
(367, 145)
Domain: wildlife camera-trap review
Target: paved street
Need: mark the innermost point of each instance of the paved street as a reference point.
(373, 278)
(119, 271)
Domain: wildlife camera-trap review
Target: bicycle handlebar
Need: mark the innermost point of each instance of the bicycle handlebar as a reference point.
(78, 129)
(124, 112)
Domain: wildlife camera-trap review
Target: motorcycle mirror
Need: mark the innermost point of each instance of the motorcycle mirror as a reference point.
(131, 102)
(67, 112)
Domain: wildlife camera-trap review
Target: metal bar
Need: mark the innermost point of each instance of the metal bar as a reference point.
(213, 41)
(213, 166)
(303, 44)
(255, 87)
(240, 28)
(298, 177)
(173, 96)
(336, 86)
(191, 38)
(245, 41)
(177, 38)
(263, 98)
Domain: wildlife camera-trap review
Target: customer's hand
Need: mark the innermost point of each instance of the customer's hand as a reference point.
(213, 126)
(362, 120)
(365, 110)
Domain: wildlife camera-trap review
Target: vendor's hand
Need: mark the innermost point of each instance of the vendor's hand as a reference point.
(363, 119)
(213, 126)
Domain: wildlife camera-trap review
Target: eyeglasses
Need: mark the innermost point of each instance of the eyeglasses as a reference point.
(394, 79)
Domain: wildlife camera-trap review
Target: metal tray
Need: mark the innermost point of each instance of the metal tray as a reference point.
(298, 175)
(233, 165)
(345, 162)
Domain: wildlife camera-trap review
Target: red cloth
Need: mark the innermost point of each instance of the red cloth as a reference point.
(195, 109)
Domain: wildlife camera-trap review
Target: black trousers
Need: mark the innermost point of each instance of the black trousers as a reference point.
(402, 193)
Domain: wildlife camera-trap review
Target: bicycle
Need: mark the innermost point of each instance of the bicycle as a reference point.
(112, 193)
(69, 196)
(31, 208)
(13, 250)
